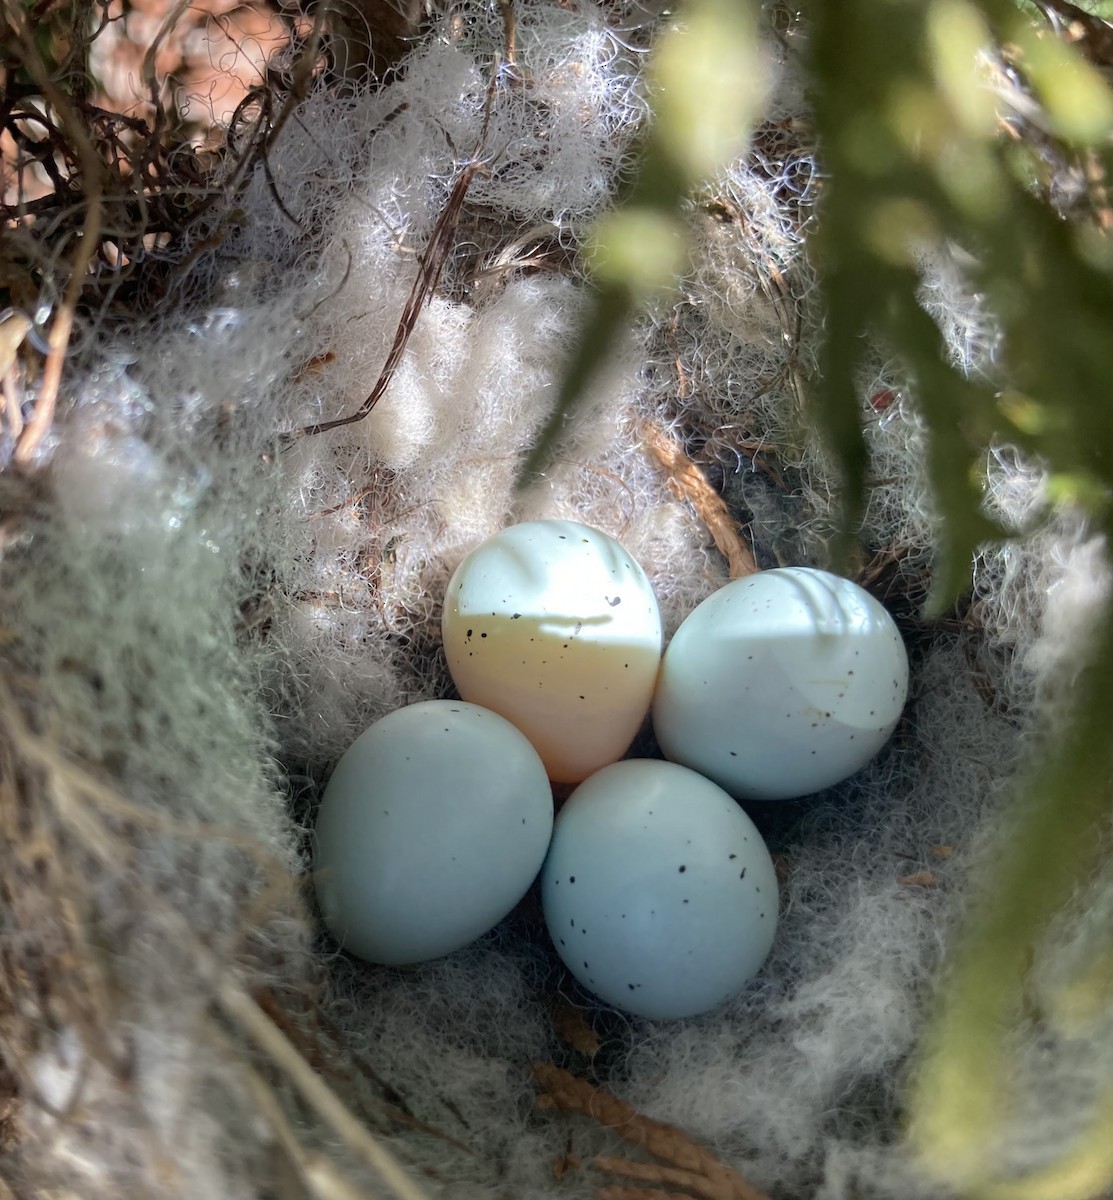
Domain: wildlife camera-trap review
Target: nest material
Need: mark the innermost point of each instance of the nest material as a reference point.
(307, 374)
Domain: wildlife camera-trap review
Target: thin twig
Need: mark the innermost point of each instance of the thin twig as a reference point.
(564, 1092)
(433, 258)
(688, 482)
(318, 1175)
(429, 272)
(312, 1052)
(246, 1015)
(510, 32)
(43, 417)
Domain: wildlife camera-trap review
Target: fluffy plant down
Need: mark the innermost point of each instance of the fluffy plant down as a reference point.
(205, 600)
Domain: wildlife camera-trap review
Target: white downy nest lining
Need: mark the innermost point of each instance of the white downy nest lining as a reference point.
(196, 625)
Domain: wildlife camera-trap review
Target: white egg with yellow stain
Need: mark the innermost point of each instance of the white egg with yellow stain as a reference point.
(553, 625)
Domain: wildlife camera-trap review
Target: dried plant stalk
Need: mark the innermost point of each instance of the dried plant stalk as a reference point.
(246, 1015)
(617, 1191)
(688, 482)
(19, 27)
(571, 1025)
(564, 1092)
(322, 1180)
(659, 1174)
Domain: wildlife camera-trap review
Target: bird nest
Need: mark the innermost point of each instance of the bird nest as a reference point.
(265, 383)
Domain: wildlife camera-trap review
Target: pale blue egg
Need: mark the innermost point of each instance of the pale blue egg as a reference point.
(781, 684)
(659, 893)
(431, 829)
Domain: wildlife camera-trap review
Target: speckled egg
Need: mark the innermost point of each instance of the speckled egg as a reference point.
(433, 826)
(659, 893)
(555, 626)
(781, 684)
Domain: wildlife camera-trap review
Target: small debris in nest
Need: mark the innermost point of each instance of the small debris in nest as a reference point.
(566, 1162)
(572, 1027)
(919, 879)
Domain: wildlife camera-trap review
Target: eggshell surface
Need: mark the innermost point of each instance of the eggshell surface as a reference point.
(781, 684)
(433, 826)
(658, 891)
(556, 627)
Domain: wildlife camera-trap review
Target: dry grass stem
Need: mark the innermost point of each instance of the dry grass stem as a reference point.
(429, 271)
(618, 1191)
(659, 1175)
(687, 482)
(564, 1092)
(436, 253)
(314, 1048)
(246, 1015)
(321, 1180)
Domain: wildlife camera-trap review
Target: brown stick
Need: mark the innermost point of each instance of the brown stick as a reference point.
(564, 1092)
(58, 341)
(434, 256)
(688, 482)
(660, 1175)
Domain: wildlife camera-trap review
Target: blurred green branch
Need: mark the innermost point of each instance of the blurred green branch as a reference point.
(914, 157)
(917, 155)
(640, 249)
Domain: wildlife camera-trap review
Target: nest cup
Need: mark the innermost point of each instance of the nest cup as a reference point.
(212, 584)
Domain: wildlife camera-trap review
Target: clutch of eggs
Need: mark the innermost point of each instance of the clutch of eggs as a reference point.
(657, 889)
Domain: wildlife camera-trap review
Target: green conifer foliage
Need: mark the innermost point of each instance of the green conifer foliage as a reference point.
(916, 154)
